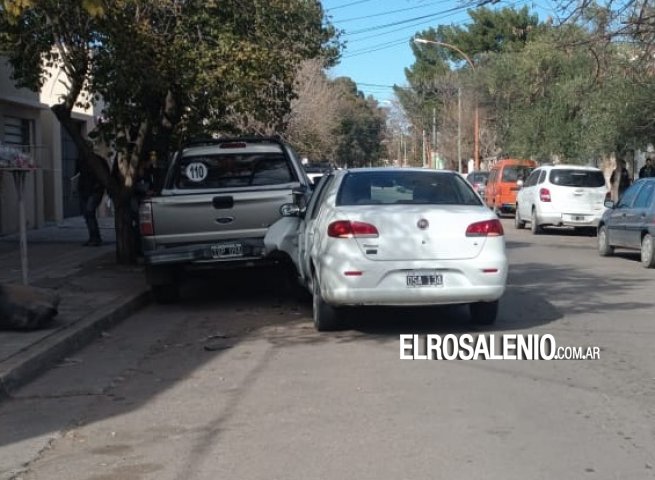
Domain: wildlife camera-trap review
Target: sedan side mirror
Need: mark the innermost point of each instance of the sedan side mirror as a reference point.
(609, 204)
(519, 183)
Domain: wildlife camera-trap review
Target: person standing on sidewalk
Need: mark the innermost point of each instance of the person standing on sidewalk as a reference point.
(647, 170)
(90, 191)
(620, 180)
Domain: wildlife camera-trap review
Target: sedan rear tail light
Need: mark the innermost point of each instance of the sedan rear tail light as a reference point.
(544, 195)
(347, 229)
(488, 228)
(146, 226)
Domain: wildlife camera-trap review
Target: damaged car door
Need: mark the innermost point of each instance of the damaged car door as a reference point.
(294, 234)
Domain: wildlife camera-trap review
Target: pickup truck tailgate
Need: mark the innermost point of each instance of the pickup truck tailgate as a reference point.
(216, 216)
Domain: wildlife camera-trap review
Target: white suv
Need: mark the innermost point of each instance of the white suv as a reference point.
(561, 195)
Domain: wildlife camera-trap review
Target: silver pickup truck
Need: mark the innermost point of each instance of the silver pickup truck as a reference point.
(218, 200)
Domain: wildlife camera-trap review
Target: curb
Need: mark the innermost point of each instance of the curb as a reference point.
(33, 361)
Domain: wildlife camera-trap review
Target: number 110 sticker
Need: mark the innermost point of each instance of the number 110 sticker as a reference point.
(196, 171)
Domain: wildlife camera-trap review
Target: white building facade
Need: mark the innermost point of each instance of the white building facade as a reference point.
(26, 122)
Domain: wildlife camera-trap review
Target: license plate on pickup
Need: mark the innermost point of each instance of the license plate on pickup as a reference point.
(226, 250)
(424, 279)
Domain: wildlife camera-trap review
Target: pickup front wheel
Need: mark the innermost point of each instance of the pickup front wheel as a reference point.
(164, 283)
(167, 293)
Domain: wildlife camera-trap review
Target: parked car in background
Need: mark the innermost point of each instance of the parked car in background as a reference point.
(394, 236)
(505, 179)
(316, 170)
(630, 223)
(562, 195)
(479, 181)
(219, 198)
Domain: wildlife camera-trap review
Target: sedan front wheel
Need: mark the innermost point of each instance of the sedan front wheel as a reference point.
(604, 247)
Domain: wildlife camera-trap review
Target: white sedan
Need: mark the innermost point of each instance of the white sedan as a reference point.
(401, 237)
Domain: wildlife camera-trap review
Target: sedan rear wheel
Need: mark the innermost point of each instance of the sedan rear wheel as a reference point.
(604, 247)
(534, 223)
(325, 316)
(484, 313)
(648, 251)
(518, 223)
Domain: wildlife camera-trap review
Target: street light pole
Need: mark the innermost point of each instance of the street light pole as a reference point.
(476, 120)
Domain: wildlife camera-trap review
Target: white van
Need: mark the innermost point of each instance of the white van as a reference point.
(561, 195)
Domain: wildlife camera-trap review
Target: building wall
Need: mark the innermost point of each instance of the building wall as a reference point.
(43, 193)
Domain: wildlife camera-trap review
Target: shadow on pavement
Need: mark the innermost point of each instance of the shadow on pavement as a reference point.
(148, 355)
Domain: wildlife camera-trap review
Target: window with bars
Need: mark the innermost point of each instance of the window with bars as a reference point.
(17, 131)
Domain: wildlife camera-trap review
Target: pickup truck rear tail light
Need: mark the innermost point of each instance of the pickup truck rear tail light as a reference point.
(347, 229)
(544, 195)
(146, 226)
(487, 228)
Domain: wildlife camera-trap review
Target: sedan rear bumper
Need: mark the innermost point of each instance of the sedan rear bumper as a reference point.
(464, 281)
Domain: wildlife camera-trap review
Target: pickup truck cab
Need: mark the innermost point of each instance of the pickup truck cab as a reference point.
(218, 200)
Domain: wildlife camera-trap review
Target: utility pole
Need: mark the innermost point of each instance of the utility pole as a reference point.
(476, 118)
(423, 147)
(459, 129)
(434, 135)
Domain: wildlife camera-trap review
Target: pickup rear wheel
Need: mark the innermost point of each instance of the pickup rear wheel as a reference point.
(325, 316)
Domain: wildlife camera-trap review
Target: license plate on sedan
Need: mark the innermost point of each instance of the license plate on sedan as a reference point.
(226, 250)
(577, 218)
(424, 279)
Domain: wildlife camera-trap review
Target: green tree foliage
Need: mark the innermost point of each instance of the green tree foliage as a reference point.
(332, 121)
(560, 96)
(360, 128)
(166, 70)
(567, 91)
(502, 30)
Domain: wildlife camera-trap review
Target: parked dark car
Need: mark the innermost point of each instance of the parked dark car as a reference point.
(479, 181)
(630, 222)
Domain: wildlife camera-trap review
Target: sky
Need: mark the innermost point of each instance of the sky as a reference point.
(377, 33)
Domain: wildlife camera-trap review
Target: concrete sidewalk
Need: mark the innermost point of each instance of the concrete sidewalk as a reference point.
(95, 294)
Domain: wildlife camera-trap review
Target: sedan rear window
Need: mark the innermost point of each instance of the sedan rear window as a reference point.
(405, 187)
(577, 178)
(232, 170)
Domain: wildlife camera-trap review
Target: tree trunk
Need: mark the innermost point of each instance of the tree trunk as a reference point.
(121, 196)
(125, 222)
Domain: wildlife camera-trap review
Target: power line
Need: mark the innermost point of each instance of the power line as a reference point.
(383, 46)
(374, 85)
(408, 20)
(346, 5)
(390, 12)
(412, 25)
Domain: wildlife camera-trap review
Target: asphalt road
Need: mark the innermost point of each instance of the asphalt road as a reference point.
(234, 383)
